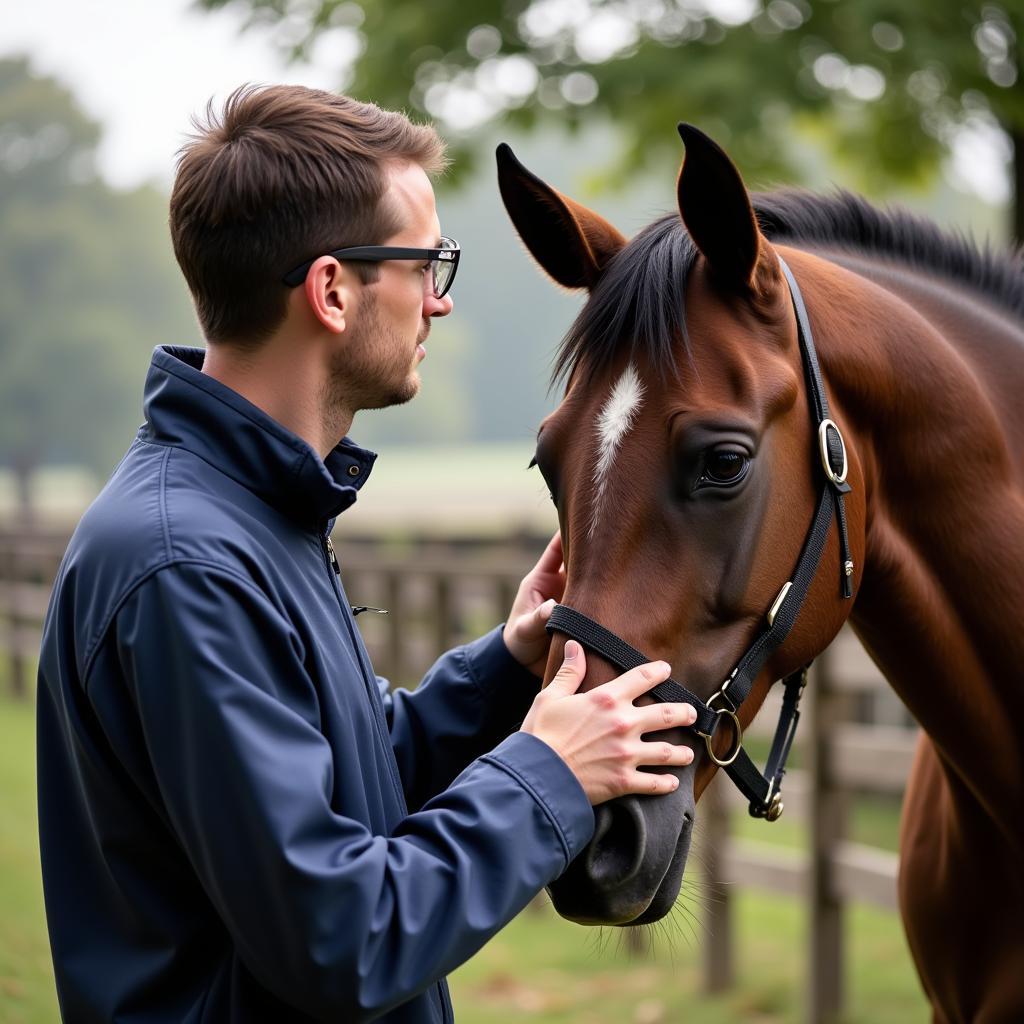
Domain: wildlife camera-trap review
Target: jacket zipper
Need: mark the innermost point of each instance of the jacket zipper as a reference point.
(333, 557)
(370, 686)
(357, 609)
(441, 988)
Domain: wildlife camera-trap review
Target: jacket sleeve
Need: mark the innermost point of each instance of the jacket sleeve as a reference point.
(340, 923)
(468, 702)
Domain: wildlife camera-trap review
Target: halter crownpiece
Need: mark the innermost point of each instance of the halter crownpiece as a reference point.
(762, 790)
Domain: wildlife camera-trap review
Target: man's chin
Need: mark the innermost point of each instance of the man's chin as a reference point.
(400, 396)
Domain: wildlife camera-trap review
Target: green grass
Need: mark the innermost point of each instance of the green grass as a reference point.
(540, 968)
(26, 980)
(543, 969)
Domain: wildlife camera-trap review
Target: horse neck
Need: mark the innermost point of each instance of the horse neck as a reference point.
(928, 378)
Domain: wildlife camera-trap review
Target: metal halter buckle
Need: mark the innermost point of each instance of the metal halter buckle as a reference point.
(836, 478)
(738, 739)
(775, 808)
(772, 807)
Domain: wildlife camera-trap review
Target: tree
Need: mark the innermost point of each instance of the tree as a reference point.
(891, 82)
(87, 286)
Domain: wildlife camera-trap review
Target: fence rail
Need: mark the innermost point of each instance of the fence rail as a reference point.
(442, 593)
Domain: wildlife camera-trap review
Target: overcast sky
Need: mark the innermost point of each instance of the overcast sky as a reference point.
(142, 67)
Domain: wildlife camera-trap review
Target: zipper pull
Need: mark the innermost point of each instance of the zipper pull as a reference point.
(334, 557)
(357, 609)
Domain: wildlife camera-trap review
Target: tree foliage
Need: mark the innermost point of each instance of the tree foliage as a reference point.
(890, 81)
(87, 285)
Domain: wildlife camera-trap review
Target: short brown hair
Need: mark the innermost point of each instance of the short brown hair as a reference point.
(283, 175)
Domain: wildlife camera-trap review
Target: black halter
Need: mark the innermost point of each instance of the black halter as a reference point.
(762, 790)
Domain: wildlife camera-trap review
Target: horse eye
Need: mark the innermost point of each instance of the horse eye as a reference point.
(534, 464)
(724, 467)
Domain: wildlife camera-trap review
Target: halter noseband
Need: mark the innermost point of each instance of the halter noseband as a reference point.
(762, 790)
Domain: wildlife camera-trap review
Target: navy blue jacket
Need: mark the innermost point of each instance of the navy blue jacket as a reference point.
(237, 821)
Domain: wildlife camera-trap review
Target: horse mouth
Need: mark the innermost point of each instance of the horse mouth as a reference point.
(631, 871)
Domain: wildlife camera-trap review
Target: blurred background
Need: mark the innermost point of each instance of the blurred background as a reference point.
(916, 102)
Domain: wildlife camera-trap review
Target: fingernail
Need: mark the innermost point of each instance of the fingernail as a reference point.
(548, 606)
(572, 649)
(691, 713)
(665, 667)
(675, 782)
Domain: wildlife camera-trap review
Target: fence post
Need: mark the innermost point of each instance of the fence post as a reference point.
(16, 656)
(443, 624)
(827, 814)
(506, 594)
(396, 663)
(719, 963)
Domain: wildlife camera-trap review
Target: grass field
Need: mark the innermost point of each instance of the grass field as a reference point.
(26, 986)
(540, 968)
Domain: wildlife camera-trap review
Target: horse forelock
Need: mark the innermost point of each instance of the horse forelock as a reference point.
(638, 303)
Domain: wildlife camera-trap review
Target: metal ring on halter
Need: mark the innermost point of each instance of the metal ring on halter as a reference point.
(737, 742)
(836, 478)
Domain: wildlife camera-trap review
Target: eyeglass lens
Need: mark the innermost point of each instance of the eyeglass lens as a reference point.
(443, 270)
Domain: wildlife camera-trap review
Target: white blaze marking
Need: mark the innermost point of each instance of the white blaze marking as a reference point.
(615, 419)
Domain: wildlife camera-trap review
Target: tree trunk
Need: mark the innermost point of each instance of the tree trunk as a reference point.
(1017, 174)
(10, 572)
(23, 513)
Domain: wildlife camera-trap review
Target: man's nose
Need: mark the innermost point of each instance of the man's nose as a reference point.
(437, 307)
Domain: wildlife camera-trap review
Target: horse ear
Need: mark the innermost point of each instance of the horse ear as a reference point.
(716, 210)
(570, 242)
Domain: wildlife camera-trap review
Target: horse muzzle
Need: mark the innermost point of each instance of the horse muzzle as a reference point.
(633, 866)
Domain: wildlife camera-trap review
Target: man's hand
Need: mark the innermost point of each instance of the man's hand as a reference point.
(599, 734)
(541, 589)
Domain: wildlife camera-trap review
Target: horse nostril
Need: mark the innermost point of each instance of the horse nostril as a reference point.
(616, 852)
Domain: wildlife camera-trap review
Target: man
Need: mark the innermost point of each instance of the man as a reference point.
(237, 822)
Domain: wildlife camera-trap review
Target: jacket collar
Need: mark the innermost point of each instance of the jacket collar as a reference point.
(185, 408)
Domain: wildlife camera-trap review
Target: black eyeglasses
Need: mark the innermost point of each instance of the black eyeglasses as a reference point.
(444, 261)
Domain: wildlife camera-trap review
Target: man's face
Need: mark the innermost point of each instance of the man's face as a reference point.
(379, 367)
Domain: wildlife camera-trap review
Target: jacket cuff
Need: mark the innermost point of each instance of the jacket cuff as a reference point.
(548, 779)
(508, 687)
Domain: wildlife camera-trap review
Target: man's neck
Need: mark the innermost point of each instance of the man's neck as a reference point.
(290, 390)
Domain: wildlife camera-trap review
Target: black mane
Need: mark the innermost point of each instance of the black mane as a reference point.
(640, 295)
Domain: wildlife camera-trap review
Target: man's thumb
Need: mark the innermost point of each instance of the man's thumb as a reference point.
(568, 678)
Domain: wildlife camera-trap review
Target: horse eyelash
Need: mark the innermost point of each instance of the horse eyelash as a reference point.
(532, 465)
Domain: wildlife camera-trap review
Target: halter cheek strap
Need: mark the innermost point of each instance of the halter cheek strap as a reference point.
(762, 790)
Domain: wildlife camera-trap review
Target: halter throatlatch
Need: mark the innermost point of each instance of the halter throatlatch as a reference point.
(762, 790)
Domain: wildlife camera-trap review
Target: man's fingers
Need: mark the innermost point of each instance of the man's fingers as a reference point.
(654, 754)
(543, 610)
(639, 680)
(652, 783)
(568, 678)
(529, 627)
(656, 717)
(552, 557)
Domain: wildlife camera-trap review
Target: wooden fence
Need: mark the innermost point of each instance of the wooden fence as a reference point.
(842, 758)
(442, 593)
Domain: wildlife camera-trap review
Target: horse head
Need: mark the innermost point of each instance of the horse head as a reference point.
(682, 462)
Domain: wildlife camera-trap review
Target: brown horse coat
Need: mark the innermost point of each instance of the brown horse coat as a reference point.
(685, 361)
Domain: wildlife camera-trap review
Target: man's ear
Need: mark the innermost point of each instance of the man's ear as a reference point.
(716, 209)
(327, 293)
(571, 243)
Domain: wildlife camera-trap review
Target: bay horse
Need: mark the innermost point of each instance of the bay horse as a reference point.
(687, 459)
